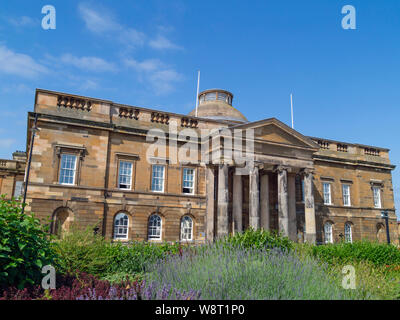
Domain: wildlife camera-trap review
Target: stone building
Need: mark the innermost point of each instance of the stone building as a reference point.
(90, 166)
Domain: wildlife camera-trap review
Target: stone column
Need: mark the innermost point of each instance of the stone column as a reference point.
(210, 192)
(237, 202)
(254, 199)
(264, 190)
(283, 201)
(311, 231)
(292, 207)
(222, 218)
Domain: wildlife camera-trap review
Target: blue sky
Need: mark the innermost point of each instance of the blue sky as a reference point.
(147, 53)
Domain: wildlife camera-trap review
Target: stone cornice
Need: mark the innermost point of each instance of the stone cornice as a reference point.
(354, 162)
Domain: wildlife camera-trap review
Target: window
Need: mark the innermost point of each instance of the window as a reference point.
(346, 195)
(377, 197)
(67, 169)
(121, 225)
(125, 175)
(157, 180)
(222, 96)
(327, 193)
(328, 232)
(211, 96)
(18, 189)
(348, 237)
(186, 229)
(188, 180)
(155, 227)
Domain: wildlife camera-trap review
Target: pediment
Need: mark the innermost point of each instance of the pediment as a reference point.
(274, 131)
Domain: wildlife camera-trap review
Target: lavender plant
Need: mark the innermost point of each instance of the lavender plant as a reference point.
(231, 272)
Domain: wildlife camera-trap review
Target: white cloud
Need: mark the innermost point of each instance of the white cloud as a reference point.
(89, 85)
(88, 63)
(161, 43)
(97, 21)
(101, 22)
(23, 21)
(19, 64)
(145, 65)
(160, 77)
(7, 143)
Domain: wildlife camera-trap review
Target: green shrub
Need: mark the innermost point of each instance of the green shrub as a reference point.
(133, 258)
(81, 250)
(25, 246)
(259, 239)
(377, 253)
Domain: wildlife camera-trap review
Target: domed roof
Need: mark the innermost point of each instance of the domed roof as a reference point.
(216, 104)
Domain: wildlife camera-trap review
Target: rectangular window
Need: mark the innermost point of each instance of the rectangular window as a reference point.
(377, 197)
(18, 189)
(346, 195)
(327, 193)
(158, 178)
(125, 175)
(67, 169)
(188, 181)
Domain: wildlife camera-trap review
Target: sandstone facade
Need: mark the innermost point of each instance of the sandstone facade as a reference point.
(283, 190)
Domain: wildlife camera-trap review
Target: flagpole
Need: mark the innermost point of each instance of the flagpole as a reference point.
(197, 96)
(291, 109)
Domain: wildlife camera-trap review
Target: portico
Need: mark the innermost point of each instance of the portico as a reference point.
(262, 193)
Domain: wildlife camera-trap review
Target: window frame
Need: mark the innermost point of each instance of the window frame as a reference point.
(194, 180)
(119, 174)
(328, 223)
(163, 178)
(349, 194)
(61, 168)
(21, 189)
(378, 188)
(127, 226)
(152, 238)
(182, 228)
(330, 193)
(346, 233)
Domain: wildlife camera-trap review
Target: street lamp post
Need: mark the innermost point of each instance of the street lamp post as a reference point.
(385, 215)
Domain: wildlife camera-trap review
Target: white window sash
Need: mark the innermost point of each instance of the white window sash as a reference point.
(117, 227)
(377, 197)
(155, 231)
(129, 186)
(160, 180)
(67, 169)
(187, 229)
(192, 182)
(346, 195)
(327, 193)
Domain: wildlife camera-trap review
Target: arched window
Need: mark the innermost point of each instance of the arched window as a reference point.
(186, 229)
(155, 227)
(328, 232)
(348, 232)
(121, 225)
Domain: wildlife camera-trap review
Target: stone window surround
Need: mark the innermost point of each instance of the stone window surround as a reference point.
(165, 165)
(377, 184)
(195, 178)
(193, 227)
(330, 182)
(344, 183)
(128, 157)
(79, 151)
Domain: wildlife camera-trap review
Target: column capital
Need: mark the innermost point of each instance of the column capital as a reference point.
(280, 168)
(307, 171)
